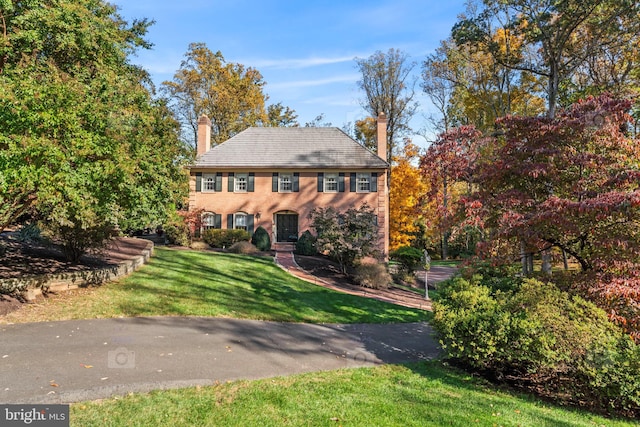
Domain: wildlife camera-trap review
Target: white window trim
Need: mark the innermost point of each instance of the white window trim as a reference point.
(237, 181)
(364, 177)
(281, 182)
(236, 217)
(208, 178)
(326, 182)
(208, 220)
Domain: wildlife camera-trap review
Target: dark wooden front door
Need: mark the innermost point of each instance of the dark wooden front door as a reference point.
(287, 227)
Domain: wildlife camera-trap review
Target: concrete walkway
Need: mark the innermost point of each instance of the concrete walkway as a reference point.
(68, 361)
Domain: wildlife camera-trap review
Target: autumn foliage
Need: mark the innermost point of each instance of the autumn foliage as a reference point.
(570, 183)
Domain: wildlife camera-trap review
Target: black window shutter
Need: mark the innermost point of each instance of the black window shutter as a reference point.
(320, 182)
(198, 181)
(274, 182)
(230, 221)
(217, 221)
(352, 182)
(231, 178)
(341, 182)
(250, 224)
(251, 183)
(296, 182)
(218, 183)
(373, 186)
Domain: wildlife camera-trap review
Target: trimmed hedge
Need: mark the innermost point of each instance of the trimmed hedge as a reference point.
(222, 238)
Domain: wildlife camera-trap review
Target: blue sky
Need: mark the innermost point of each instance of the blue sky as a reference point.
(305, 50)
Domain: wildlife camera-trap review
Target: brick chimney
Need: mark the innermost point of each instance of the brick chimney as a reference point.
(204, 135)
(381, 136)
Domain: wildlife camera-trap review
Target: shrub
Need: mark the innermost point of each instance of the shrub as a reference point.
(410, 258)
(30, 233)
(306, 244)
(372, 275)
(177, 230)
(261, 239)
(243, 247)
(542, 336)
(221, 238)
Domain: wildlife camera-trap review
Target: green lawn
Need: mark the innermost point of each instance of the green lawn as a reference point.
(424, 394)
(202, 283)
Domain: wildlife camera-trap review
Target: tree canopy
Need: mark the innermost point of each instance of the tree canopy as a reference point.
(389, 88)
(84, 147)
(230, 94)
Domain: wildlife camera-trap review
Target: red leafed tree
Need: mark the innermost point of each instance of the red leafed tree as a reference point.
(573, 182)
(449, 160)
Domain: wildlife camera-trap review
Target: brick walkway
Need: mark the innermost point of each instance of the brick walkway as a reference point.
(401, 297)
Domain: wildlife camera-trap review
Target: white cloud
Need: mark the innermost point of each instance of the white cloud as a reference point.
(347, 78)
(294, 63)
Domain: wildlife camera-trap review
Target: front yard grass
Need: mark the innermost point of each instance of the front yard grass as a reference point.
(420, 394)
(200, 283)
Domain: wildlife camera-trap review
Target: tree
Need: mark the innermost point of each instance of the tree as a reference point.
(557, 37)
(449, 160)
(281, 116)
(406, 195)
(389, 88)
(346, 236)
(570, 182)
(84, 148)
(230, 94)
(365, 132)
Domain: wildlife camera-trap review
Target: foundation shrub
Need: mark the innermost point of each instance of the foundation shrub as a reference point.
(306, 244)
(244, 247)
(221, 238)
(261, 239)
(372, 274)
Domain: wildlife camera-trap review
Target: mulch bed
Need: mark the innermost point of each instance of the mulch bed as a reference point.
(329, 271)
(20, 259)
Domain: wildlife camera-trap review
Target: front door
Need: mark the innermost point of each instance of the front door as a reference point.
(286, 227)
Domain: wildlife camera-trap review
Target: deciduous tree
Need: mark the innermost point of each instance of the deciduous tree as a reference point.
(345, 236)
(83, 146)
(406, 196)
(389, 87)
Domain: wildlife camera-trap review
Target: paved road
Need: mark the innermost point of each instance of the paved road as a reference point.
(68, 361)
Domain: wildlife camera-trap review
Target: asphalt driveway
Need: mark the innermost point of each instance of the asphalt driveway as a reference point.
(69, 361)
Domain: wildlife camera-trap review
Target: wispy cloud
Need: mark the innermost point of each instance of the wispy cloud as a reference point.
(297, 63)
(346, 78)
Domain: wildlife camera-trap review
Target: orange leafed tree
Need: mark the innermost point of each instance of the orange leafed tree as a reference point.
(406, 194)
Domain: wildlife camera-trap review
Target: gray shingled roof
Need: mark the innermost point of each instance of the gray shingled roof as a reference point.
(306, 147)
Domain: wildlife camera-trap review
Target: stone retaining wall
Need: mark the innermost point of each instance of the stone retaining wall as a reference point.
(32, 286)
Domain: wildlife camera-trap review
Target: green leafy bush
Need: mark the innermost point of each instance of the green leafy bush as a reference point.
(540, 335)
(243, 247)
(306, 244)
(372, 275)
(177, 230)
(409, 258)
(221, 238)
(261, 239)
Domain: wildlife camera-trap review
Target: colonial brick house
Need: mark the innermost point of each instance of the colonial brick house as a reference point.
(275, 177)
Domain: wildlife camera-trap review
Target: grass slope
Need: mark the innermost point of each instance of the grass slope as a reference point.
(194, 283)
